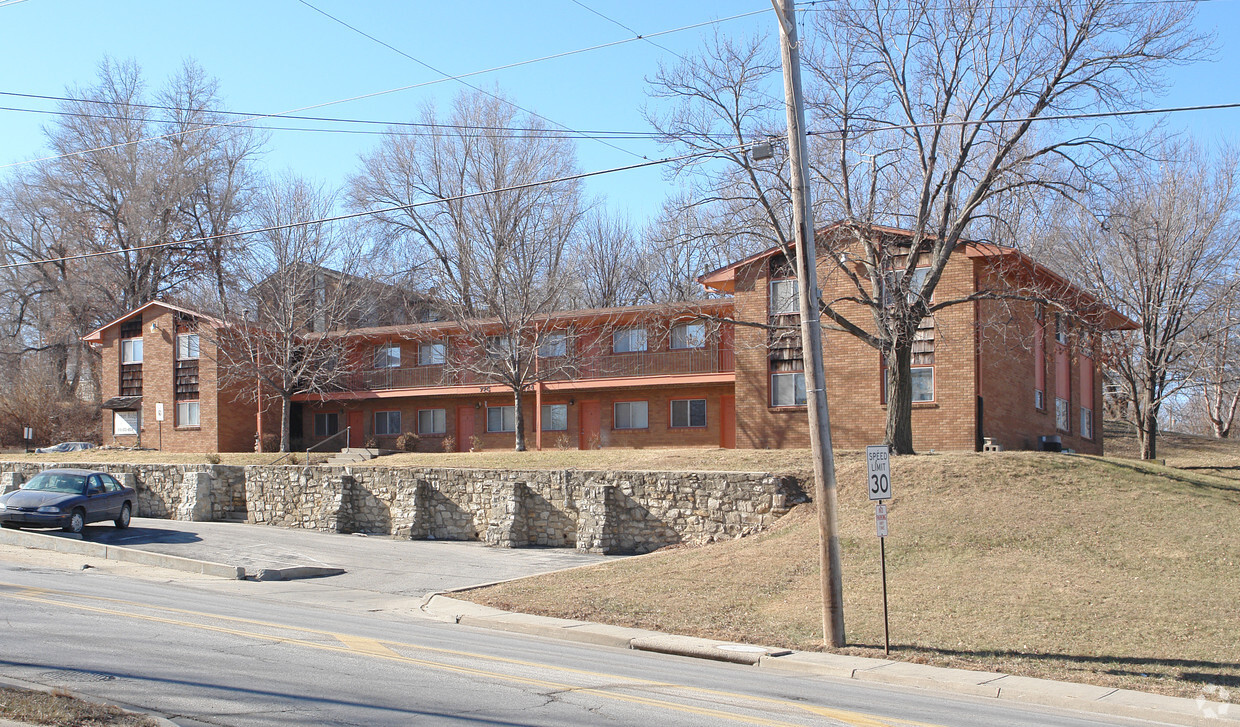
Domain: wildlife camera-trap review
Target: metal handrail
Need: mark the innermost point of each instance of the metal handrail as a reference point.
(315, 446)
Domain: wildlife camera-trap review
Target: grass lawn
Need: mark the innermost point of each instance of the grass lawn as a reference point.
(1083, 569)
(64, 710)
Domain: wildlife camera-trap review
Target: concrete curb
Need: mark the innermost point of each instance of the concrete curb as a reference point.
(19, 684)
(76, 546)
(296, 572)
(994, 685)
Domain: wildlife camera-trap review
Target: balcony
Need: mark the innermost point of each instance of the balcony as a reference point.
(610, 366)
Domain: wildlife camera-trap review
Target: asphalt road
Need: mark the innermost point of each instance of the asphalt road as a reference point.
(236, 653)
(372, 563)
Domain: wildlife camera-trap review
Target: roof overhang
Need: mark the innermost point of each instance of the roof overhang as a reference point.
(96, 336)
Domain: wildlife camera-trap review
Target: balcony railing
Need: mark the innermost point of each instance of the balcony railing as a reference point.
(620, 365)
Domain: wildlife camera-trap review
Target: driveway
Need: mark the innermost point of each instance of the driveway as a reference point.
(371, 563)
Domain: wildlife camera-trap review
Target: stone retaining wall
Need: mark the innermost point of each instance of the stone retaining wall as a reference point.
(176, 492)
(597, 511)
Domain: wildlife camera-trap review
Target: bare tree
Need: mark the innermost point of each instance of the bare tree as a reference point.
(1162, 251)
(1215, 344)
(287, 346)
(491, 237)
(604, 261)
(926, 114)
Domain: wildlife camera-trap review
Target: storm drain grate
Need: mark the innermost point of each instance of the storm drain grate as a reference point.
(76, 675)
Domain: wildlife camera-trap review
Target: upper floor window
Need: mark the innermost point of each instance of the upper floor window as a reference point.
(187, 346)
(387, 356)
(784, 300)
(915, 284)
(432, 354)
(1061, 329)
(553, 344)
(629, 340)
(131, 351)
(689, 335)
(499, 347)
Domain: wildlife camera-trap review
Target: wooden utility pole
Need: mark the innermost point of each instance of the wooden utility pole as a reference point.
(811, 330)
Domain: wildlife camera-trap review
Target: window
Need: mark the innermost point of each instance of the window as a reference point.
(1087, 423)
(131, 351)
(1039, 359)
(432, 354)
(788, 389)
(914, 286)
(689, 413)
(630, 340)
(187, 346)
(387, 356)
(555, 417)
(689, 335)
(432, 421)
(630, 415)
(387, 423)
(501, 419)
(109, 483)
(1061, 329)
(784, 298)
(553, 344)
(923, 384)
(326, 424)
(499, 346)
(125, 423)
(187, 414)
(1039, 399)
(1063, 415)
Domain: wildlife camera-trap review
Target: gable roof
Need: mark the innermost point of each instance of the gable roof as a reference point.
(96, 336)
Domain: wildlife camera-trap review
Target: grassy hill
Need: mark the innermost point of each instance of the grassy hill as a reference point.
(1105, 571)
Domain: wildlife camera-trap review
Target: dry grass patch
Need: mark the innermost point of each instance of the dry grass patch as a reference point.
(1075, 568)
(65, 710)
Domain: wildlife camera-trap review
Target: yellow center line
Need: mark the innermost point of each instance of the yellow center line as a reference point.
(380, 648)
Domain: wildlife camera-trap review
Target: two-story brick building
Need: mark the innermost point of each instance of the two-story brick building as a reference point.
(647, 376)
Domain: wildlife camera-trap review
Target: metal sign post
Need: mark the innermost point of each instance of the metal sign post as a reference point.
(159, 417)
(28, 434)
(878, 469)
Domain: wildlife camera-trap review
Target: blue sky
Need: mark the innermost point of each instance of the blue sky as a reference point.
(278, 55)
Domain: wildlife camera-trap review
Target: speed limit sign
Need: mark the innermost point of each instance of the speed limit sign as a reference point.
(878, 466)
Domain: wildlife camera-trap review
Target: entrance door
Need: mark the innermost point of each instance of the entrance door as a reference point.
(589, 429)
(357, 420)
(464, 427)
(727, 422)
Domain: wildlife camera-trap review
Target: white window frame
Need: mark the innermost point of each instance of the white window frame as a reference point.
(629, 340)
(914, 288)
(438, 421)
(775, 388)
(913, 373)
(1039, 399)
(553, 345)
(631, 409)
(1087, 423)
(686, 414)
(387, 356)
(188, 414)
(187, 346)
(432, 353)
(789, 299)
(128, 347)
(691, 336)
(549, 415)
(507, 419)
(387, 423)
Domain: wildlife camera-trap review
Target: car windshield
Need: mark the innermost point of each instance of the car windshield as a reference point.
(58, 482)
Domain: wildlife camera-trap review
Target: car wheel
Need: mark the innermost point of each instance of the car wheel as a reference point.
(77, 521)
(122, 521)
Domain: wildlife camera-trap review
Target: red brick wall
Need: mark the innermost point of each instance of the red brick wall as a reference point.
(853, 372)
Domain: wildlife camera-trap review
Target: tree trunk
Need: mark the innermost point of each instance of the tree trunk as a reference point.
(520, 419)
(286, 404)
(1147, 434)
(899, 435)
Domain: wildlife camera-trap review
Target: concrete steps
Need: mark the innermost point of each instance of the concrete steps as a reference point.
(353, 455)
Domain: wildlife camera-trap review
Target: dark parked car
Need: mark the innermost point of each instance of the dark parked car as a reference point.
(68, 499)
(65, 447)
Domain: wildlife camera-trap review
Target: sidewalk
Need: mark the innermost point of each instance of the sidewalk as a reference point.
(1081, 697)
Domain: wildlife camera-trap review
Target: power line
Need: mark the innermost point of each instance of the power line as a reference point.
(374, 94)
(327, 119)
(490, 132)
(463, 82)
(367, 213)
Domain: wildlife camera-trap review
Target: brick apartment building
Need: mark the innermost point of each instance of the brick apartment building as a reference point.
(645, 376)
